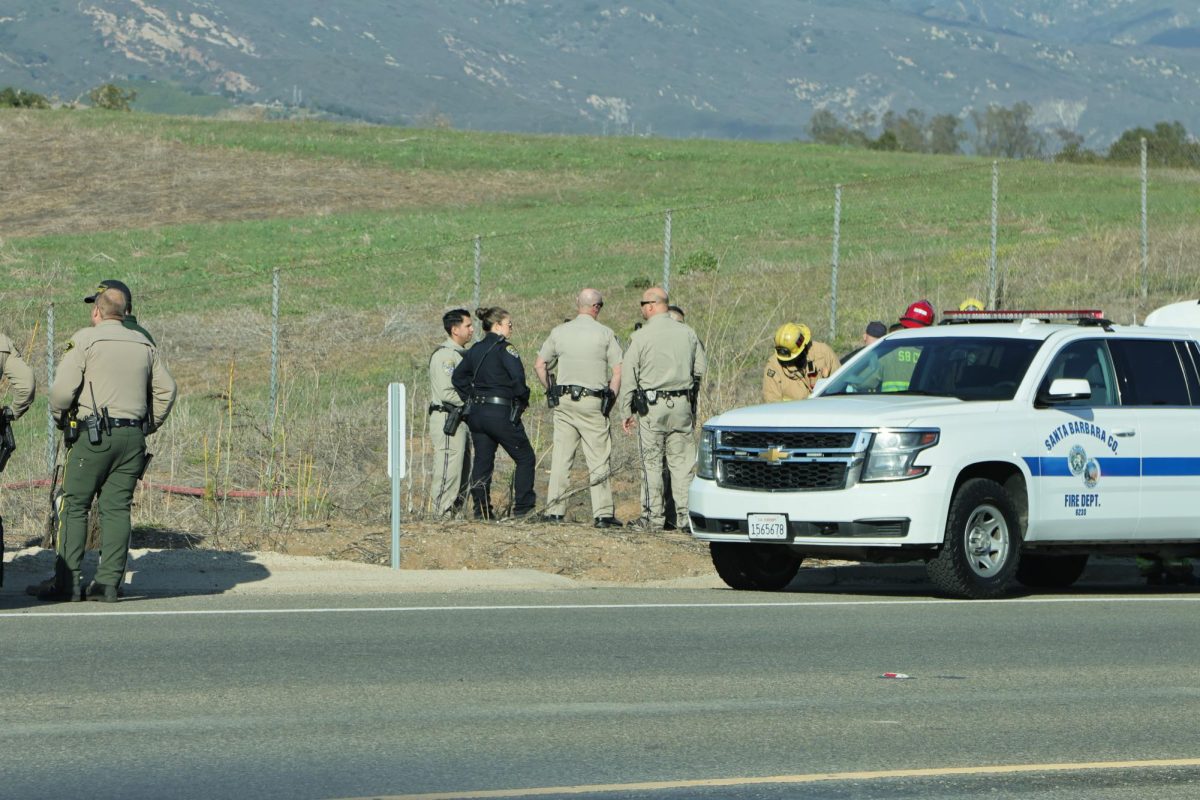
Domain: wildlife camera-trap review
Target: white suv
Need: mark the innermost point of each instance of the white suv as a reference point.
(991, 451)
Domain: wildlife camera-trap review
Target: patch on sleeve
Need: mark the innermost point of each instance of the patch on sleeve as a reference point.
(770, 372)
(512, 351)
(69, 345)
(449, 367)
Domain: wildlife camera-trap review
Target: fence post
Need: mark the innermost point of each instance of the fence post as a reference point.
(667, 255)
(992, 289)
(478, 277)
(273, 396)
(837, 244)
(51, 444)
(1145, 226)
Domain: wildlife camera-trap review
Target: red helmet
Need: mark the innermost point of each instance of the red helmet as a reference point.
(918, 315)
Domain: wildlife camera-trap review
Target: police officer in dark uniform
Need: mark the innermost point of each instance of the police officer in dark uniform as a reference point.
(491, 379)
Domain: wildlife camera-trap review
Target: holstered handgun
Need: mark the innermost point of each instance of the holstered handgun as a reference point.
(454, 418)
(608, 399)
(694, 396)
(514, 411)
(638, 402)
(552, 396)
(8, 442)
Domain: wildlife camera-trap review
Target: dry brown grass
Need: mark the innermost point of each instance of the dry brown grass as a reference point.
(62, 177)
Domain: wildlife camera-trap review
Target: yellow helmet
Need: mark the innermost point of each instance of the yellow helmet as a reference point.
(971, 304)
(791, 340)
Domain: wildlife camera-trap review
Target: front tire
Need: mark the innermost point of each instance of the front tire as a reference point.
(982, 548)
(753, 566)
(1039, 571)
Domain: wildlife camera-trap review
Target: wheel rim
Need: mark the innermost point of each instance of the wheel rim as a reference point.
(987, 541)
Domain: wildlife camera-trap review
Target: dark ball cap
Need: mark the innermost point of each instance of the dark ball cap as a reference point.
(111, 284)
(877, 329)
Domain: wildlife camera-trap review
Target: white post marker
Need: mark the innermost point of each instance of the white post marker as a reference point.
(396, 465)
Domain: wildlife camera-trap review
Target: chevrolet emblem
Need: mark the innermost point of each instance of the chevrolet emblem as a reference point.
(773, 455)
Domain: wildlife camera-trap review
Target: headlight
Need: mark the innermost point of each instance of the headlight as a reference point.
(706, 458)
(892, 453)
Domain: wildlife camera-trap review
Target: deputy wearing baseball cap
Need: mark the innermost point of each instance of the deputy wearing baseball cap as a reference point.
(130, 320)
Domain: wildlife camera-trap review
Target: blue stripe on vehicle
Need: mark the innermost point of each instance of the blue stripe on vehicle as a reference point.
(1167, 467)
(1121, 467)
(1054, 467)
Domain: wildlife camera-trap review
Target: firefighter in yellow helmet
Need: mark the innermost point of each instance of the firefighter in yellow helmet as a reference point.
(971, 304)
(796, 365)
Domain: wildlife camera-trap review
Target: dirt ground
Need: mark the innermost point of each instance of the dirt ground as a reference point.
(574, 551)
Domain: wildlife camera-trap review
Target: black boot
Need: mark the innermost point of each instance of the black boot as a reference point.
(55, 592)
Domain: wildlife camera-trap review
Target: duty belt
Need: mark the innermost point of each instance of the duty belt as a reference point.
(497, 401)
(577, 391)
(116, 423)
(670, 392)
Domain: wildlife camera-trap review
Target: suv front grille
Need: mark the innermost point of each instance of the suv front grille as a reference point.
(800, 476)
(788, 440)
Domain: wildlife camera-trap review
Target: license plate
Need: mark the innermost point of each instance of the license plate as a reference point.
(767, 526)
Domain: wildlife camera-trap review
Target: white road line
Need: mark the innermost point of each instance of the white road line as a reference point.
(96, 613)
(815, 777)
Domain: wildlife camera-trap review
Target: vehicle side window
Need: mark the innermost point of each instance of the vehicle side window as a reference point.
(1191, 371)
(1151, 374)
(1087, 359)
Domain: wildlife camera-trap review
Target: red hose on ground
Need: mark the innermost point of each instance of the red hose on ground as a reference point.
(186, 491)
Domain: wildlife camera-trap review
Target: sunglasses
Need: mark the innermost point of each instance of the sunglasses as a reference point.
(647, 302)
(783, 352)
(598, 305)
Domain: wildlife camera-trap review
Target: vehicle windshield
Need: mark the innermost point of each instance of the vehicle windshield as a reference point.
(967, 367)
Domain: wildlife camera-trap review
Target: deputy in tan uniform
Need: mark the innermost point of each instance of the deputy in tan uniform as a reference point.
(797, 364)
(587, 359)
(122, 391)
(451, 454)
(19, 375)
(662, 368)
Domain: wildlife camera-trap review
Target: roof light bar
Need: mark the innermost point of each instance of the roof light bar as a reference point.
(1051, 315)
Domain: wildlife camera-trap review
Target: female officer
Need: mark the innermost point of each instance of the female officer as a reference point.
(491, 378)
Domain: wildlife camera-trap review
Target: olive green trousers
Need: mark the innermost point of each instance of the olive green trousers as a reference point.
(110, 469)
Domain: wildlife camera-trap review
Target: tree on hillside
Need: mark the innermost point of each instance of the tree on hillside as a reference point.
(826, 128)
(1168, 145)
(1006, 133)
(910, 132)
(19, 98)
(1072, 150)
(111, 97)
(945, 135)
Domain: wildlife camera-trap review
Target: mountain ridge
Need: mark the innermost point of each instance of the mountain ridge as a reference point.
(665, 67)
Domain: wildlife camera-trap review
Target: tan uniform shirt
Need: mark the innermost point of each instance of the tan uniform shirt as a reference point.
(663, 354)
(19, 374)
(441, 366)
(788, 382)
(582, 352)
(120, 367)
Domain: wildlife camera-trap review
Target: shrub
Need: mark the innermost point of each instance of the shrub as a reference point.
(699, 261)
(19, 98)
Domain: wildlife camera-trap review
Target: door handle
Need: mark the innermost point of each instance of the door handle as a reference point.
(1124, 432)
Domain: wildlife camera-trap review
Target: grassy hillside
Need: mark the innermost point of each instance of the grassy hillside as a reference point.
(372, 229)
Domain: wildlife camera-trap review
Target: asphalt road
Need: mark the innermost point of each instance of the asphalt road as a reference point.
(619, 693)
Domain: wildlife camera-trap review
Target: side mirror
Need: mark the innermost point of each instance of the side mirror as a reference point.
(1065, 389)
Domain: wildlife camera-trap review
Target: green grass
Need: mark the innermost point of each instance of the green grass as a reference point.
(363, 290)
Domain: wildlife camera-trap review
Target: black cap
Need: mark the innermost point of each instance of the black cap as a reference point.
(877, 329)
(111, 284)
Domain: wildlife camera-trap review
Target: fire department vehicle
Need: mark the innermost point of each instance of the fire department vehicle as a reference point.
(1011, 448)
